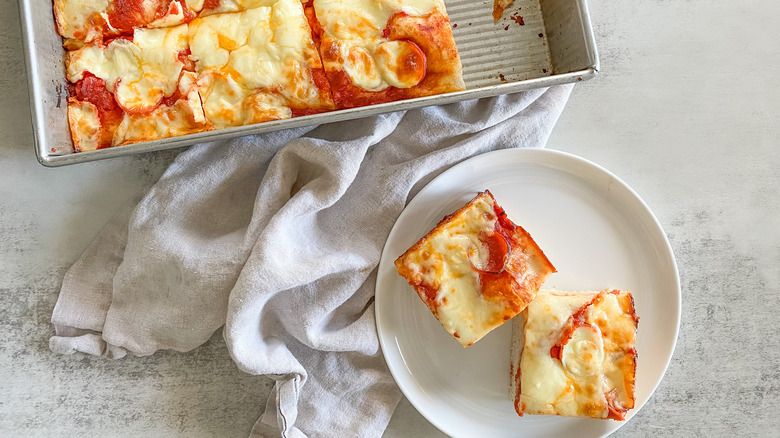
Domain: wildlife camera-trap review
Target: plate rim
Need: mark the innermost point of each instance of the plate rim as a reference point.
(530, 156)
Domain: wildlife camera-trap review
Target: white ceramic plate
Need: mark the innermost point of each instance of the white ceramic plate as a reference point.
(595, 230)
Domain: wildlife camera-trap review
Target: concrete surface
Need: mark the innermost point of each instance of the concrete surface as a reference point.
(686, 111)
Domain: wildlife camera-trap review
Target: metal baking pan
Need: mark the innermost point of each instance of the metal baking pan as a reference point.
(537, 43)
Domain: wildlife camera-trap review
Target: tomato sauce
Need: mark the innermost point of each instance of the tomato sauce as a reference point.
(184, 57)
(389, 28)
(210, 4)
(615, 412)
(170, 100)
(126, 14)
(519, 407)
(430, 293)
(93, 90)
(497, 283)
(314, 24)
(188, 14)
(300, 112)
(577, 321)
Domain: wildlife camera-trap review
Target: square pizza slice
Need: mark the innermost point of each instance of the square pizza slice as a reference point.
(134, 88)
(573, 354)
(377, 51)
(217, 71)
(476, 269)
(258, 65)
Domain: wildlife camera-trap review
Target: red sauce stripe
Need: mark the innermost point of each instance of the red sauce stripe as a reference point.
(576, 320)
(124, 15)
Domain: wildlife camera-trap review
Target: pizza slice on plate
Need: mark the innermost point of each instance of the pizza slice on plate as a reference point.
(573, 355)
(475, 270)
(376, 51)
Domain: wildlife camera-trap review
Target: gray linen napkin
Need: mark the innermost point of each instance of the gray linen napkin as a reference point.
(277, 237)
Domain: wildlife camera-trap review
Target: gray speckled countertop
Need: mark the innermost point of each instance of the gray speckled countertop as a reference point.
(686, 111)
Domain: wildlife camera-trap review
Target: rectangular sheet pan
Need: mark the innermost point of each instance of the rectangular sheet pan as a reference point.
(553, 45)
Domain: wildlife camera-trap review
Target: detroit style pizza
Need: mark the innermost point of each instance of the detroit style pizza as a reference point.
(475, 270)
(573, 354)
(382, 51)
(213, 72)
(143, 70)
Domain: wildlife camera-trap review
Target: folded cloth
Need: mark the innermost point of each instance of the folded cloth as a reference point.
(277, 237)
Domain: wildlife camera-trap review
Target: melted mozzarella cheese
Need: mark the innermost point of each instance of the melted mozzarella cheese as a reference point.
(357, 27)
(162, 122)
(254, 64)
(84, 125)
(185, 116)
(361, 68)
(188, 86)
(614, 312)
(445, 263)
(89, 58)
(590, 367)
(222, 100)
(226, 103)
(139, 73)
(257, 45)
(76, 18)
(173, 39)
(194, 5)
(583, 354)
(364, 19)
(213, 38)
(543, 378)
(401, 63)
(262, 107)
